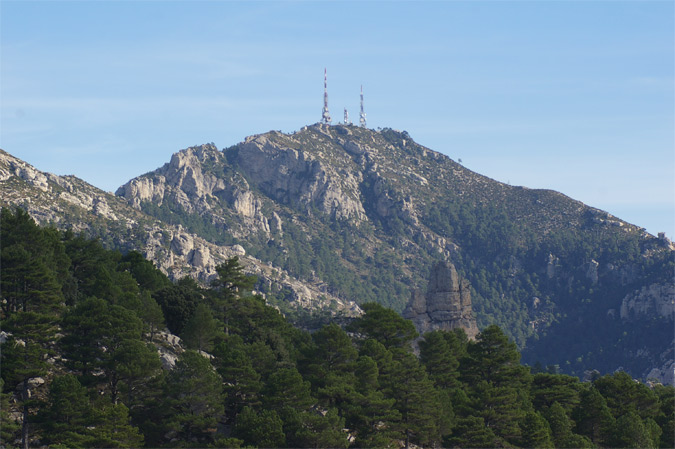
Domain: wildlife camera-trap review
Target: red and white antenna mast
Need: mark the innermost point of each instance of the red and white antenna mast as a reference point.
(325, 118)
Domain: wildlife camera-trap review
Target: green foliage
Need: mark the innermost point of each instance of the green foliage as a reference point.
(232, 281)
(10, 428)
(194, 394)
(593, 418)
(535, 431)
(201, 329)
(71, 420)
(385, 326)
(264, 429)
(272, 384)
(178, 302)
(440, 352)
(144, 272)
(96, 333)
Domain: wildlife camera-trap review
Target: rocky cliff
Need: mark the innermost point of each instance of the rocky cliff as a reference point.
(70, 203)
(446, 305)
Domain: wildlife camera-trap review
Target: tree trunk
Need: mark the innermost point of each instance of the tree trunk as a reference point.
(24, 424)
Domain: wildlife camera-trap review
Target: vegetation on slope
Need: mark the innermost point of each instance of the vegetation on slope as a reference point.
(529, 254)
(80, 368)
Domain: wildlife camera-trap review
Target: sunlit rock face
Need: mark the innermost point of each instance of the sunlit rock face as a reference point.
(446, 304)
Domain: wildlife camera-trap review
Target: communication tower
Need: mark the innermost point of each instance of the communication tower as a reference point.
(347, 122)
(362, 115)
(325, 118)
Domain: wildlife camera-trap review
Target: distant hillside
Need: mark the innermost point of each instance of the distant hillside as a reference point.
(361, 215)
(70, 203)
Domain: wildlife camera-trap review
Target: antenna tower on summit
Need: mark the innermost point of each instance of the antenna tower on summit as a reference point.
(325, 118)
(347, 122)
(362, 115)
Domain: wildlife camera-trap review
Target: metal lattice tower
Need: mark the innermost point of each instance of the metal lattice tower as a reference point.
(362, 115)
(325, 117)
(347, 122)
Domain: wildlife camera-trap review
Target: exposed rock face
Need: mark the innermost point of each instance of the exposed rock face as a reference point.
(70, 202)
(298, 178)
(446, 305)
(653, 300)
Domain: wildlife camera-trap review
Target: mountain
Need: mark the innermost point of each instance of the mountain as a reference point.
(360, 215)
(70, 203)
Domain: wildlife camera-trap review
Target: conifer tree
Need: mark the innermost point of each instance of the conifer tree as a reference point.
(593, 418)
(535, 431)
(194, 394)
(497, 383)
(385, 325)
(439, 360)
(631, 431)
(201, 329)
(416, 399)
(151, 314)
(241, 381)
(68, 413)
(264, 429)
(369, 413)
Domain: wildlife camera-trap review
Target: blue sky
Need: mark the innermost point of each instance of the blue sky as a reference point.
(575, 96)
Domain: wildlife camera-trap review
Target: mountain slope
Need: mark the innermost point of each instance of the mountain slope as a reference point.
(351, 214)
(368, 212)
(70, 203)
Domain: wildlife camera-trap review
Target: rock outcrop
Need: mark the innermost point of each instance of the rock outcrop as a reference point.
(655, 300)
(446, 304)
(299, 178)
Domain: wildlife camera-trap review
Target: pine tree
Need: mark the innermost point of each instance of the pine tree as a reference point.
(95, 331)
(262, 430)
(369, 413)
(200, 330)
(385, 325)
(68, 413)
(178, 303)
(24, 357)
(549, 388)
(231, 283)
(630, 431)
(194, 393)
(151, 314)
(112, 428)
(623, 394)
(286, 388)
(471, 432)
(241, 381)
(439, 360)
(416, 399)
(497, 383)
(330, 365)
(535, 431)
(135, 363)
(593, 418)
(10, 430)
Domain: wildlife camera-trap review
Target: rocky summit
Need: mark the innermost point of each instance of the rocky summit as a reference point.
(333, 216)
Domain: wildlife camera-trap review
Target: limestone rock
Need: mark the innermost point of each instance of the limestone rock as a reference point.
(592, 271)
(298, 178)
(655, 300)
(446, 304)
